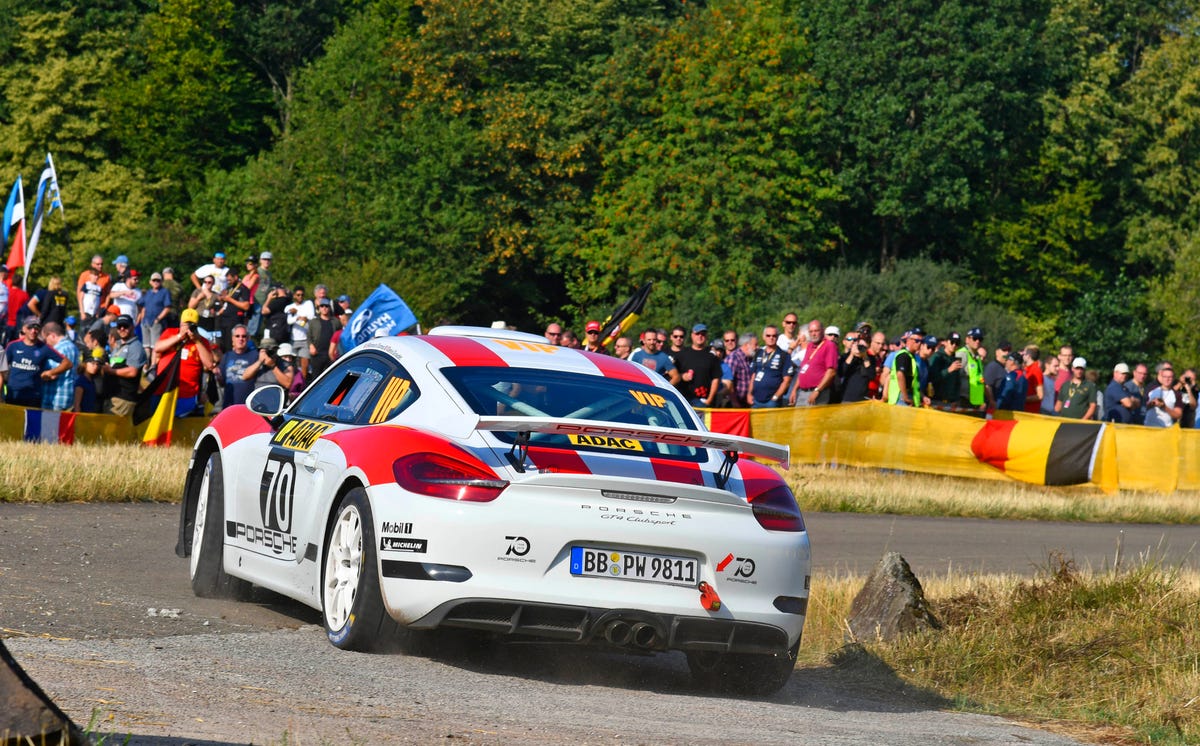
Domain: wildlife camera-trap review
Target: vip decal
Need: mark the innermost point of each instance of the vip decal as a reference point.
(743, 569)
(392, 395)
(605, 441)
(299, 435)
(391, 527)
(518, 547)
(649, 399)
(397, 544)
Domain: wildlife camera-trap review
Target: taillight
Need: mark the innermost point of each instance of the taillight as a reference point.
(440, 475)
(776, 509)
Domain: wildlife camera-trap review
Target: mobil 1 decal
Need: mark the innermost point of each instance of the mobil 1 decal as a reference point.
(276, 498)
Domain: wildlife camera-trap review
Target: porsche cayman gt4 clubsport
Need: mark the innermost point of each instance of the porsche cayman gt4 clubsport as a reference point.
(483, 479)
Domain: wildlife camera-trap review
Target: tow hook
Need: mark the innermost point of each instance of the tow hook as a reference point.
(709, 599)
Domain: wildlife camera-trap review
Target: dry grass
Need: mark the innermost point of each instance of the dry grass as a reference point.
(1111, 656)
(850, 490)
(41, 472)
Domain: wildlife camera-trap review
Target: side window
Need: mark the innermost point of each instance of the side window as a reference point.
(346, 395)
(390, 399)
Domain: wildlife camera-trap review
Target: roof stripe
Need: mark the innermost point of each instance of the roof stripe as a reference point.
(612, 367)
(465, 351)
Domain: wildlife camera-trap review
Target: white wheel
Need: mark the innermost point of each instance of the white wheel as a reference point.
(343, 567)
(199, 521)
(351, 604)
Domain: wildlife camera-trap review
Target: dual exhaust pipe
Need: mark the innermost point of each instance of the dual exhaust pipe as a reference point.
(639, 634)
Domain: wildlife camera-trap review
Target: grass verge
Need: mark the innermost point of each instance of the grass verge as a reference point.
(42, 473)
(1108, 657)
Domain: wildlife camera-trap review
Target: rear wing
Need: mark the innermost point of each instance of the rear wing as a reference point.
(649, 433)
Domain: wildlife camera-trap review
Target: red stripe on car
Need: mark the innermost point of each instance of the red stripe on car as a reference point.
(613, 367)
(558, 460)
(465, 352)
(235, 423)
(375, 449)
(677, 471)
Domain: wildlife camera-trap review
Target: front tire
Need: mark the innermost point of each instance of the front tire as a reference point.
(351, 602)
(747, 674)
(206, 565)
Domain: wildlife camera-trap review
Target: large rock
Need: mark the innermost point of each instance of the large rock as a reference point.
(27, 716)
(891, 603)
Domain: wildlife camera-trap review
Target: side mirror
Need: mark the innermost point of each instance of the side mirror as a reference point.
(268, 401)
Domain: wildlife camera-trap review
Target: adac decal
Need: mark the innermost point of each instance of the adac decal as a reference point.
(403, 544)
(606, 441)
(299, 435)
(742, 569)
(517, 548)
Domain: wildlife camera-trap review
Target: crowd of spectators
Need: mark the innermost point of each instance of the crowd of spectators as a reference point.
(957, 372)
(231, 329)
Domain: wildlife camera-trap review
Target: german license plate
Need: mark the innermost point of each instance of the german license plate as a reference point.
(652, 568)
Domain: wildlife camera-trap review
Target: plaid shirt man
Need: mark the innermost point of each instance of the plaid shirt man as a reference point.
(59, 394)
(743, 376)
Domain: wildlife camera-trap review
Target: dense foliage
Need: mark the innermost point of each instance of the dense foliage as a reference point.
(1026, 165)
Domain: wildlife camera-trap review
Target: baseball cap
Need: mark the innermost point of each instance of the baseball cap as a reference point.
(1079, 363)
(122, 259)
(98, 353)
(324, 302)
(134, 273)
(189, 316)
(114, 309)
(31, 321)
(833, 330)
(343, 298)
(252, 258)
(918, 331)
(70, 321)
(930, 341)
(265, 255)
(156, 275)
(954, 337)
(168, 269)
(219, 255)
(699, 328)
(975, 332)
(125, 320)
(592, 326)
(1120, 368)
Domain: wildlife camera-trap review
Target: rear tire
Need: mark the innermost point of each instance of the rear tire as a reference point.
(743, 673)
(206, 565)
(351, 602)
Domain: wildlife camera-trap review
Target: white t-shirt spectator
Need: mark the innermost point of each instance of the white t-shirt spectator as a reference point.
(218, 275)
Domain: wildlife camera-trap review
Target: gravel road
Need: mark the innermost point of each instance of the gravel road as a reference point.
(96, 607)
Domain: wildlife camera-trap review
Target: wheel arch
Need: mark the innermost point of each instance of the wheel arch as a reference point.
(350, 483)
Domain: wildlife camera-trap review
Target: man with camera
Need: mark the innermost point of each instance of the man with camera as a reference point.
(273, 366)
(123, 371)
(860, 366)
(195, 357)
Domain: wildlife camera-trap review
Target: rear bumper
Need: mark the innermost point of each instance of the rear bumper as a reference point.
(582, 624)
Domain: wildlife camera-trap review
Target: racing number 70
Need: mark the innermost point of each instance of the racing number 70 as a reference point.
(277, 491)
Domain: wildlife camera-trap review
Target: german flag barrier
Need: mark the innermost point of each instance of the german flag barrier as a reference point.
(19, 423)
(1027, 447)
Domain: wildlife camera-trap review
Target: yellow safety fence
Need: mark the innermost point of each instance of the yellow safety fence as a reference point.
(18, 423)
(875, 435)
(865, 434)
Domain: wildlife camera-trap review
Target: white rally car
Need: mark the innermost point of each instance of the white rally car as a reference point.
(483, 479)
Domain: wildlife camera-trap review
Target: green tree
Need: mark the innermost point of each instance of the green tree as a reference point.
(709, 180)
(186, 104)
(52, 84)
(929, 110)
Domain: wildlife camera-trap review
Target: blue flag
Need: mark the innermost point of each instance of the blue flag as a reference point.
(383, 313)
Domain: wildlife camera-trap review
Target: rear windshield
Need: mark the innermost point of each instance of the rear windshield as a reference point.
(528, 392)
